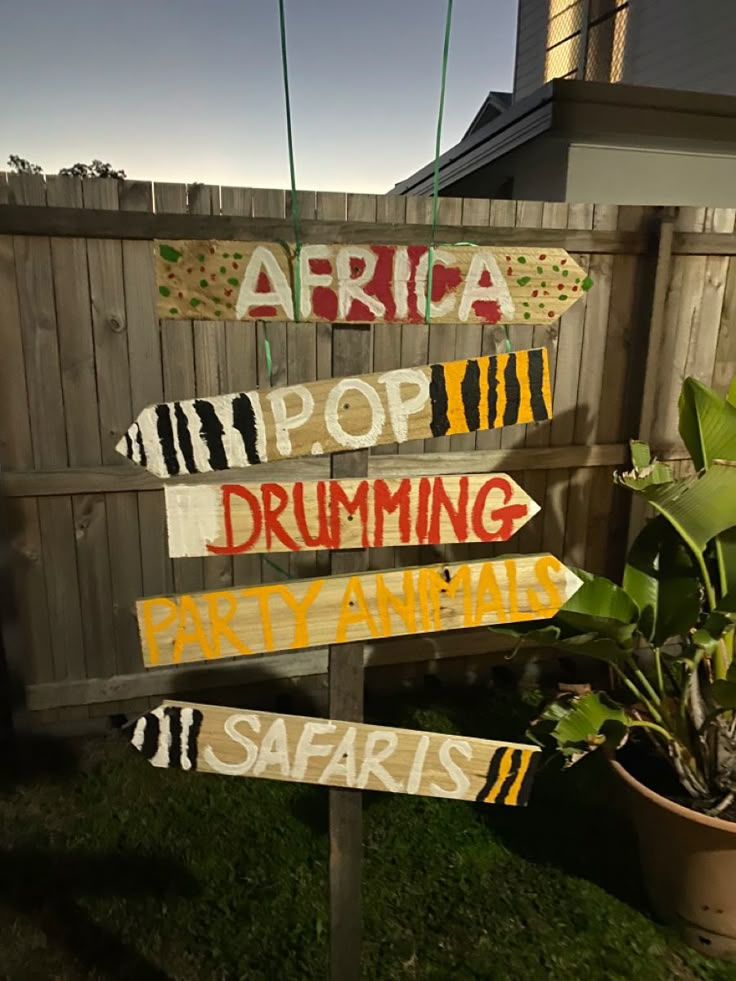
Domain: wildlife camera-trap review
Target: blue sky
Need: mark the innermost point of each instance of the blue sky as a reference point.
(191, 91)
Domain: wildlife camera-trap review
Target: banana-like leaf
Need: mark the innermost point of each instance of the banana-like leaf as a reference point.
(646, 471)
(724, 692)
(582, 723)
(731, 396)
(661, 578)
(700, 507)
(708, 429)
(601, 608)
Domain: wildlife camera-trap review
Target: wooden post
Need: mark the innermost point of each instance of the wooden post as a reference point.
(654, 346)
(351, 354)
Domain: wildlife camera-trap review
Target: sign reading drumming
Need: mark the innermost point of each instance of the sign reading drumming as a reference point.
(211, 280)
(232, 519)
(240, 743)
(305, 613)
(339, 414)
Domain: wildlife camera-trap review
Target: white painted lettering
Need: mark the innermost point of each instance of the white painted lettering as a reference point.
(461, 782)
(283, 422)
(497, 291)
(342, 765)
(332, 410)
(402, 272)
(263, 260)
(373, 760)
(417, 765)
(310, 279)
(447, 303)
(350, 287)
(400, 409)
(306, 749)
(274, 750)
(251, 750)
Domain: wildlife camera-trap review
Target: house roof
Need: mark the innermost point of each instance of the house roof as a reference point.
(495, 103)
(576, 109)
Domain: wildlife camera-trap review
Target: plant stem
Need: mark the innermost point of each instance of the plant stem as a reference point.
(645, 681)
(728, 799)
(698, 657)
(658, 664)
(653, 725)
(638, 694)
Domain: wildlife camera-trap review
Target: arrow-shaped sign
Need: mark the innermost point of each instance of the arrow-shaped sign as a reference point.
(211, 280)
(305, 613)
(339, 414)
(242, 743)
(234, 519)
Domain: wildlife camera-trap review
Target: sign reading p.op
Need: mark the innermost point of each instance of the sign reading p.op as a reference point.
(211, 280)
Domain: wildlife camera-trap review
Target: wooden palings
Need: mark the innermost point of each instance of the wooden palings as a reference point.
(146, 379)
(79, 383)
(30, 656)
(538, 435)
(593, 375)
(107, 292)
(39, 327)
(177, 353)
(724, 368)
(210, 365)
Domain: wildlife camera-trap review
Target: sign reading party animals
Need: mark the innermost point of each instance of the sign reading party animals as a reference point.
(233, 519)
(305, 613)
(210, 280)
(338, 414)
(241, 743)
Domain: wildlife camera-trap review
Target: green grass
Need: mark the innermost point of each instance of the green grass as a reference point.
(113, 869)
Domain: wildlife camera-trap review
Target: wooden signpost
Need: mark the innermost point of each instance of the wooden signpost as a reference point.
(354, 756)
(347, 415)
(381, 284)
(306, 613)
(235, 519)
(341, 414)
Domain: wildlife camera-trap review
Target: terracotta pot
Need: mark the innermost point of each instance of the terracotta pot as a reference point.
(689, 863)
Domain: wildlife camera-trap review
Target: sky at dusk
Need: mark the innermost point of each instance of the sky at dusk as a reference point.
(191, 90)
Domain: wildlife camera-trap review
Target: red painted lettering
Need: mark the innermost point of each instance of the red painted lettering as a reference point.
(359, 503)
(322, 539)
(506, 516)
(458, 514)
(384, 502)
(230, 548)
(425, 488)
(271, 513)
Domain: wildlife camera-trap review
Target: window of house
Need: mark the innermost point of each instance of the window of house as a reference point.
(595, 50)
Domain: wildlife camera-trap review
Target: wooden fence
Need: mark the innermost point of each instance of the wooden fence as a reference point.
(81, 352)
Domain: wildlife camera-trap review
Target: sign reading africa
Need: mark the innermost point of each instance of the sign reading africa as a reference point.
(339, 414)
(241, 743)
(232, 519)
(211, 280)
(318, 612)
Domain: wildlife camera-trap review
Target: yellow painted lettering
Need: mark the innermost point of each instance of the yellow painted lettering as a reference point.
(542, 568)
(150, 628)
(220, 623)
(446, 584)
(403, 606)
(299, 609)
(489, 605)
(190, 630)
(354, 610)
(261, 594)
(515, 614)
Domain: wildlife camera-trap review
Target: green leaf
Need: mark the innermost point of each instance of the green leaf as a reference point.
(699, 507)
(707, 424)
(652, 473)
(724, 693)
(599, 607)
(731, 396)
(641, 455)
(579, 724)
(661, 577)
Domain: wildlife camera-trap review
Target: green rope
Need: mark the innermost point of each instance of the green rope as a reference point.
(508, 339)
(276, 566)
(436, 183)
(269, 359)
(290, 140)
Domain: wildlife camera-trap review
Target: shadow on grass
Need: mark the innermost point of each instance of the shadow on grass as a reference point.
(574, 820)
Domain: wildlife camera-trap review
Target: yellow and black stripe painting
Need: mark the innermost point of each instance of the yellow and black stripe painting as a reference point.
(490, 392)
(510, 776)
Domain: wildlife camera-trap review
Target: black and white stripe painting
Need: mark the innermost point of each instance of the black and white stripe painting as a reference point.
(168, 737)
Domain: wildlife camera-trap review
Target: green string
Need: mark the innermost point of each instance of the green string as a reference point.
(269, 359)
(275, 566)
(508, 339)
(294, 201)
(436, 183)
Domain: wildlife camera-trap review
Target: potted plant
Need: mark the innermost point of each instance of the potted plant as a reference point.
(667, 635)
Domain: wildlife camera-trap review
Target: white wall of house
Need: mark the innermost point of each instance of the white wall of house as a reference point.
(680, 44)
(637, 175)
(531, 43)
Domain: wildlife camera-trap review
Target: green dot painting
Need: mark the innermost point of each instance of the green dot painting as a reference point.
(237, 255)
(169, 254)
(226, 255)
(218, 313)
(565, 272)
(524, 280)
(233, 282)
(200, 258)
(586, 284)
(203, 284)
(173, 310)
(521, 258)
(555, 268)
(164, 290)
(563, 296)
(223, 270)
(527, 315)
(194, 302)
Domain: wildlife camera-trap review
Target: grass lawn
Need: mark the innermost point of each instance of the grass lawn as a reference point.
(113, 869)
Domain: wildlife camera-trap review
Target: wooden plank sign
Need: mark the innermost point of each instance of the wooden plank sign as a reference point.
(315, 612)
(340, 414)
(352, 755)
(233, 519)
(381, 284)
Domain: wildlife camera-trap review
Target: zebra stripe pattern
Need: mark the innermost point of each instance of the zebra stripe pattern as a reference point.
(510, 776)
(487, 393)
(168, 737)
